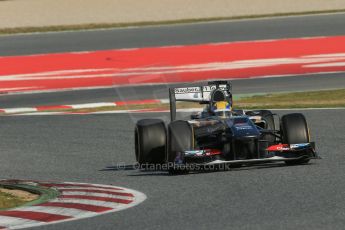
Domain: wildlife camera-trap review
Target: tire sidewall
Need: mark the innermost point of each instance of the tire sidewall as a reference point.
(150, 141)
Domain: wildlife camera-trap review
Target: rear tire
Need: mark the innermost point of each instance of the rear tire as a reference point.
(150, 141)
(180, 139)
(294, 130)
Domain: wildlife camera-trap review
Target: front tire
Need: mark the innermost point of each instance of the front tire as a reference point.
(150, 141)
(267, 116)
(294, 130)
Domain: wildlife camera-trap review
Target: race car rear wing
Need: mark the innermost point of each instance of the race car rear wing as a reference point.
(200, 93)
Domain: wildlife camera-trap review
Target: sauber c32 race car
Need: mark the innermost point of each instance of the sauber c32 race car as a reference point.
(221, 135)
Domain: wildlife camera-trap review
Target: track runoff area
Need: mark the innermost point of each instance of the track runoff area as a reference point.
(233, 60)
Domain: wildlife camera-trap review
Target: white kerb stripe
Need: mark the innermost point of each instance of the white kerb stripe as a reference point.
(98, 189)
(91, 202)
(165, 101)
(20, 110)
(57, 210)
(92, 105)
(88, 186)
(8, 221)
(40, 113)
(98, 195)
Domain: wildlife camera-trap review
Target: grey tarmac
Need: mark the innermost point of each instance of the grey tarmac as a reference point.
(95, 149)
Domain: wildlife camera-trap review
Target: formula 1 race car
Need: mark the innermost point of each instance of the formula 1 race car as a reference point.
(221, 135)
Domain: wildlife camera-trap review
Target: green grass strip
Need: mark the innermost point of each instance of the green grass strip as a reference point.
(45, 194)
(311, 99)
(92, 26)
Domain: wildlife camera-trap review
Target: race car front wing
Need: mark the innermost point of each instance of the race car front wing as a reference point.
(276, 153)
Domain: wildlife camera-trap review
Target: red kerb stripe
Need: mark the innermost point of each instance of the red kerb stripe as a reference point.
(106, 199)
(37, 216)
(84, 207)
(96, 191)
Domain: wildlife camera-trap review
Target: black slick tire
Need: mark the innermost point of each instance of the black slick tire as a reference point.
(267, 116)
(294, 130)
(180, 139)
(150, 141)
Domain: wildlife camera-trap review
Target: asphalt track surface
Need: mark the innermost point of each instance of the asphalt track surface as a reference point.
(242, 30)
(93, 148)
(200, 33)
(90, 148)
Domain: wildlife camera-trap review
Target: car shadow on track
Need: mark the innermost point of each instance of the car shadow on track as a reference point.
(121, 167)
(136, 171)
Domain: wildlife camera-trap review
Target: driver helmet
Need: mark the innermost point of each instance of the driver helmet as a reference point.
(222, 109)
